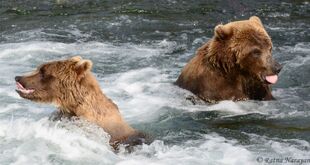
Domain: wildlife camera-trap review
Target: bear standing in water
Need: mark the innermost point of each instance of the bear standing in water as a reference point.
(236, 64)
(70, 86)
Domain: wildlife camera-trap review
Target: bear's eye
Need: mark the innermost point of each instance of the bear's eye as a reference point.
(256, 52)
(45, 77)
(42, 73)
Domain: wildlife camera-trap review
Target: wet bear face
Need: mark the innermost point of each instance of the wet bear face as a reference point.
(54, 81)
(246, 46)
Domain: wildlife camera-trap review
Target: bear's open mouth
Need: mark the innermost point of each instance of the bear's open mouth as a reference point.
(22, 89)
(271, 79)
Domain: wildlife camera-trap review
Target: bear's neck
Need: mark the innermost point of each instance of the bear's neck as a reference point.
(95, 107)
(243, 87)
(251, 87)
(256, 90)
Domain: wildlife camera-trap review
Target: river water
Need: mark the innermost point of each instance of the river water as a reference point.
(138, 49)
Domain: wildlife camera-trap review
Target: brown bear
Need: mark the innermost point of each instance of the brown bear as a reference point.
(70, 86)
(236, 64)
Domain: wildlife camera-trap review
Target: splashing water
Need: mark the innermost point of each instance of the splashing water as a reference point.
(138, 50)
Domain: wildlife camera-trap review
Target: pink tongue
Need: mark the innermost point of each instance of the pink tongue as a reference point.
(272, 79)
(19, 86)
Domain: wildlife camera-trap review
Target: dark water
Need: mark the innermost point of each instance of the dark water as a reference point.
(138, 49)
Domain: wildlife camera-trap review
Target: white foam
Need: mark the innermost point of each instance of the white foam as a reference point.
(79, 141)
(212, 149)
(278, 14)
(27, 51)
(71, 140)
(231, 108)
(122, 20)
(70, 32)
(228, 106)
(139, 87)
(24, 50)
(9, 108)
(299, 61)
(280, 148)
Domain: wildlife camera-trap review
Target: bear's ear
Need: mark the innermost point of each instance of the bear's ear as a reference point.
(222, 32)
(82, 67)
(76, 58)
(256, 19)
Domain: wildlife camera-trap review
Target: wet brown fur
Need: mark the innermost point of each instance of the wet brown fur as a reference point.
(232, 65)
(70, 85)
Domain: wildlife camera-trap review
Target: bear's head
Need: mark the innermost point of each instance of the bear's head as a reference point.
(57, 82)
(244, 47)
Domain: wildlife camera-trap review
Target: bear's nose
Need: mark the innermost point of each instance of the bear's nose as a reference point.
(17, 78)
(277, 68)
